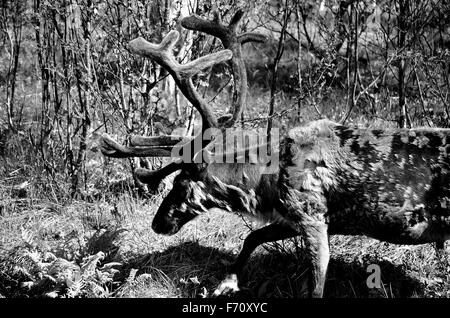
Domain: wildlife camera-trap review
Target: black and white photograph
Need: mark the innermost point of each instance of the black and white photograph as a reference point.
(224, 155)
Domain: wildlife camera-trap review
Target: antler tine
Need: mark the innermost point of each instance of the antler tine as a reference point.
(153, 177)
(217, 18)
(182, 74)
(159, 148)
(155, 146)
(191, 68)
(252, 37)
(151, 141)
(230, 40)
(234, 22)
(160, 53)
(169, 41)
(214, 27)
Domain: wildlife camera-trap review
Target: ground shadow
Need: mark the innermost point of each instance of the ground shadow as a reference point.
(349, 279)
(272, 274)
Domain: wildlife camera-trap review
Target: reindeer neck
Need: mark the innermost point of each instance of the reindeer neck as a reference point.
(243, 175)
(241, 188)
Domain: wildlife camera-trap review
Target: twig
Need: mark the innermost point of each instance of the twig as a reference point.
(422, 102)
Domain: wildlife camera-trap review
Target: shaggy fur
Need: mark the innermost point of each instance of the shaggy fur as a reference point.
(392, 185)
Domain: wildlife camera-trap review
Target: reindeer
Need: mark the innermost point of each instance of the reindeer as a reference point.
(392, 185)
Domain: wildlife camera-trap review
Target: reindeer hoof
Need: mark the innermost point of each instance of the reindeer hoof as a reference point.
(227, 287)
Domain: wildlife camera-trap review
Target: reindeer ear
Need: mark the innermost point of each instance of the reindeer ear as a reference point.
(195, 171)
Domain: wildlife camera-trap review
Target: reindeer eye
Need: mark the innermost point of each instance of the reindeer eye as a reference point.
(183, 207)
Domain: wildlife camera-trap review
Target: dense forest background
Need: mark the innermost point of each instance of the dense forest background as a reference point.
(67, 76)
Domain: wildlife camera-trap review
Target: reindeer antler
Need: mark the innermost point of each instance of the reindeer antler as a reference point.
(153, 177)
(111, 148)
(162, 54)
(182, 74)
(232, 41)
(154, 146)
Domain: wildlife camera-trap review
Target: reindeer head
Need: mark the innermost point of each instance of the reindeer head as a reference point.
(185, 201)
(189, 196)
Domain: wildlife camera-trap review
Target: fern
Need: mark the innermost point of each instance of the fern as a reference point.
(90, 264)
(41, 273)
(28, 238)
(131, 276)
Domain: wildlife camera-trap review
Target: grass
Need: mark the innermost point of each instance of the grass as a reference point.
(125, 258)
(106, 248)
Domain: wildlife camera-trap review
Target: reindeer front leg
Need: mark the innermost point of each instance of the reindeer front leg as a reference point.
(316, 240)
(306, 209)
(269, 233)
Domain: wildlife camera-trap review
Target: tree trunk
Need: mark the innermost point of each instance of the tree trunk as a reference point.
(274, 69)
(402, 29)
